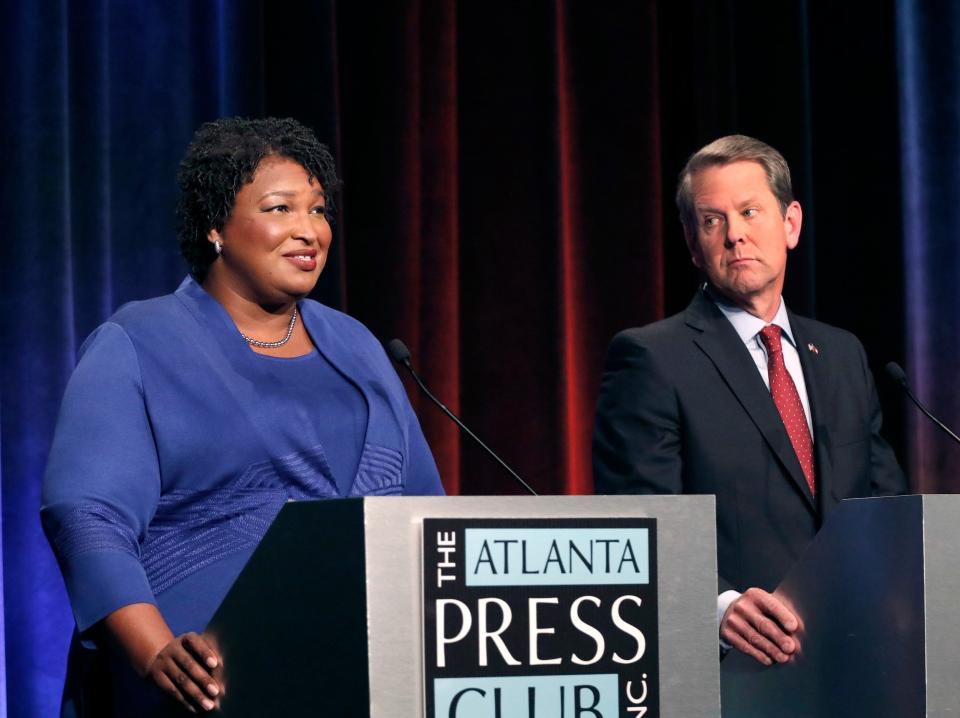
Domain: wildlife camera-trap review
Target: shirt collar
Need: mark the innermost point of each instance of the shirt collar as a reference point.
(747, 325)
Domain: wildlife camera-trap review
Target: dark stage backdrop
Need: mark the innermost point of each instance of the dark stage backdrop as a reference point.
(507, 204)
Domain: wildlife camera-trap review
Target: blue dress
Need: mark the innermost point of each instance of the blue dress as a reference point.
(177, 445)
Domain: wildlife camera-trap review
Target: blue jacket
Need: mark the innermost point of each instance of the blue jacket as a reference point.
(172, 454)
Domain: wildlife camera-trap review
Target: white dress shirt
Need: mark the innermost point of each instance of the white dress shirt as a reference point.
(748, 328)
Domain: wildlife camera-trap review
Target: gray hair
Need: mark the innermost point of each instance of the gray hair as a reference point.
(726, 150)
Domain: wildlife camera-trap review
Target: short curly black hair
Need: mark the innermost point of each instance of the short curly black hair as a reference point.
(222, 157)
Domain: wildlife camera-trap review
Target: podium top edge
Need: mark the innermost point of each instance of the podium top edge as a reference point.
(587, 498)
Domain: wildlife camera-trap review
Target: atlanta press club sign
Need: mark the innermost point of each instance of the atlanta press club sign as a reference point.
(540, 618)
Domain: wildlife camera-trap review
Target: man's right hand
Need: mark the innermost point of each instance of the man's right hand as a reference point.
(760, 625)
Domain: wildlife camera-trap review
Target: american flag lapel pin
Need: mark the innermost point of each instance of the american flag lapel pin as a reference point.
(813, 348)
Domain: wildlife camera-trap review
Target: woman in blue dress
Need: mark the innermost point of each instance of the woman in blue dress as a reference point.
(191, 418)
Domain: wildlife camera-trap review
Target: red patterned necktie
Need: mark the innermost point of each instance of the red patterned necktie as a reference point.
(787, 400)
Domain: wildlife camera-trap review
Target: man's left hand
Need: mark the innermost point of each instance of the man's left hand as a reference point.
(760, 625)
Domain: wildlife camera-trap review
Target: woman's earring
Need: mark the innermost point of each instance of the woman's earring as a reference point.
(218, 246)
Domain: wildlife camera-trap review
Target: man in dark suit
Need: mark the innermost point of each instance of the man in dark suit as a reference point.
(775, 414)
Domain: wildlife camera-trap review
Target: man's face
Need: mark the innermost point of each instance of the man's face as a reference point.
(741, 238)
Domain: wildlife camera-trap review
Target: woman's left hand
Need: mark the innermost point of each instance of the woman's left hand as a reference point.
(184, 670)
(186, 667)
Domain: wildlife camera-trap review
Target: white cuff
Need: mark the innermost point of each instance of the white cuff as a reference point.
(723, 603)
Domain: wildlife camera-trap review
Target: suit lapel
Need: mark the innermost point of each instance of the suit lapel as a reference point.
(816, 377)
(719, 341)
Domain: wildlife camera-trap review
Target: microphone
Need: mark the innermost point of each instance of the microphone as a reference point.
(896, 373)
(399, 353)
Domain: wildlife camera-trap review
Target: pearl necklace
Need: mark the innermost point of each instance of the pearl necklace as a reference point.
(274, 345)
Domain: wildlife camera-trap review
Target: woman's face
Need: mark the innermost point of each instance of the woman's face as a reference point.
(276, 240)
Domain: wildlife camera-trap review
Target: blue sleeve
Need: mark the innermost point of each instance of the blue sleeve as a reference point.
(102, 482)
(422, 478)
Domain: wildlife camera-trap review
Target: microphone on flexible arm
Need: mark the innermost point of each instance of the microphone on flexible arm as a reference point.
(399, 353)
(895, 372)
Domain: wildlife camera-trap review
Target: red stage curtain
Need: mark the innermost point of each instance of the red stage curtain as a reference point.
(502, 214)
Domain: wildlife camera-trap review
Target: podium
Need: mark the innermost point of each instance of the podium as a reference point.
(876, 593)
(329, 617)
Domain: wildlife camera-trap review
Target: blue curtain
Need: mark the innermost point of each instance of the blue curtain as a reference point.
(99, 100)
(928, 35)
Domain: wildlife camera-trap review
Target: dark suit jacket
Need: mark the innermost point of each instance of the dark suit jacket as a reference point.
(683, 409)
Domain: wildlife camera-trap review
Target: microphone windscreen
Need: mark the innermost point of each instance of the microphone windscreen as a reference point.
(398, 351)
(895, 372)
